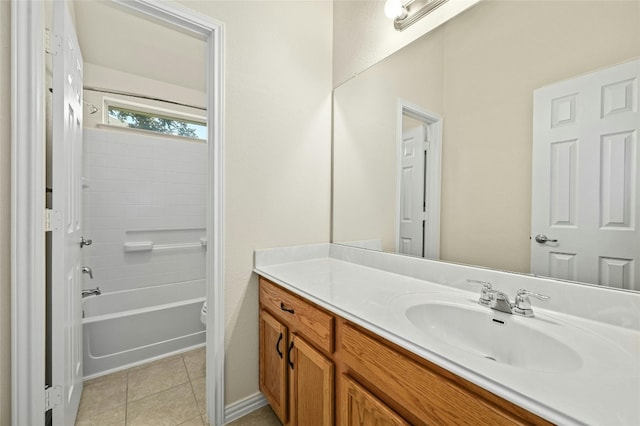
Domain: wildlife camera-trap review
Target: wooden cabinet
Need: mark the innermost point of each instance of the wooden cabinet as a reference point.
(296, 349)
(360, 408)
(273, 364)
(421, 392)
(311, 384)
(379, 384)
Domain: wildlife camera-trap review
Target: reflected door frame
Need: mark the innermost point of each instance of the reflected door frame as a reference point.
(432, 175)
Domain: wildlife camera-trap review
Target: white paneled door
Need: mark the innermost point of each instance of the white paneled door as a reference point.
(585, 199)
(66, 285)
(412, 191)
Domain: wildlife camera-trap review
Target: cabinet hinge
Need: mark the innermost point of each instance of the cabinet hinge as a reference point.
(52, 397)
(52, 220)
(52, 42)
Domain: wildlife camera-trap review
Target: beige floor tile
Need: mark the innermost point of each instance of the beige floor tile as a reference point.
(152, 363)
(113, 417)
(200, 391)
(196, 421)
(156, 377)
(108, 377)
(261, 417)
(103, 394)
(168, 408)
(196, 363)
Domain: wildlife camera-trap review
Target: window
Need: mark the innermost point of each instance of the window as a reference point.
(160, 121)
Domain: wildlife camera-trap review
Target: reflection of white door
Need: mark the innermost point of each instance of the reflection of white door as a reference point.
(66, 287)
(585, 181)
(412, 188)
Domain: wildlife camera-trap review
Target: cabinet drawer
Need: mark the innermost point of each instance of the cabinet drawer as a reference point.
(308, 320)
(425, 396)
(359, 407)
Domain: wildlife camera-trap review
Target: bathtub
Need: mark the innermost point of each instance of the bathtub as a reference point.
(125, 328)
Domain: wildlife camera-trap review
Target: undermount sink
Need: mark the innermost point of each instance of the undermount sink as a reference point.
(503, 338)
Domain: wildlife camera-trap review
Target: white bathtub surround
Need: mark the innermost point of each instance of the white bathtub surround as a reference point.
(145, 210)
(126, 328)
(372, 288)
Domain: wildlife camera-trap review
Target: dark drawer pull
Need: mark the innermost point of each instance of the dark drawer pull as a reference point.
(285, 308)
(278, 346)
(289, 355)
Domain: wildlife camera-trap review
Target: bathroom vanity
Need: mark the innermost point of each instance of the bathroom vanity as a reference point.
(350, 336)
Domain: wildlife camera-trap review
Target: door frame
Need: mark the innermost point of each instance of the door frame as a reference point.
(28, 195)
(432, 174)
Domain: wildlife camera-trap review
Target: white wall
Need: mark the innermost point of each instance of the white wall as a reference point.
(142, 188)
(5, 219)
(277, 151)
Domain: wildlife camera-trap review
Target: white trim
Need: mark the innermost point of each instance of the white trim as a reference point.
(27, 202)
(243, 407)
(108, 101)
(150, 133)
(432, 175)
(27, 213)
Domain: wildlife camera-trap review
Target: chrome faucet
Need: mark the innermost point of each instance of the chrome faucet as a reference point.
(499, 301)
(522, 305)
(87, 270)
(485, 293)
(92, 292)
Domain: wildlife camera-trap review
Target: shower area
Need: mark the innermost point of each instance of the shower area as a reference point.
(144, 210)
(144, 189)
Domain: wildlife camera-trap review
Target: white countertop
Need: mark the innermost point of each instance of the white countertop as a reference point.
(605, 390)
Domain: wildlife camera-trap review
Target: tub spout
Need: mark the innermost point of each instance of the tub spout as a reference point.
(92, 291)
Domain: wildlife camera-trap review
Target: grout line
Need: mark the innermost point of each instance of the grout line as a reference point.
(126, 400)
(193, 391)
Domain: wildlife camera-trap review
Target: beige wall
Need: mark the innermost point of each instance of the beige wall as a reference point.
(500, 51)
(5, 205)
(365, 152)
(277, 152)
(494, 56)
(363, 35)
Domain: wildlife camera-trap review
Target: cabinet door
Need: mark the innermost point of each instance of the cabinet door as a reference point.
(359, 408)
(273, 364)
(312, 385)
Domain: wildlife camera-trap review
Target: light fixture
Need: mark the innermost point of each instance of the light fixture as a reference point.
(407, 12)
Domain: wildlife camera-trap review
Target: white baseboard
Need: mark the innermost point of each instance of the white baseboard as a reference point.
(243, 407)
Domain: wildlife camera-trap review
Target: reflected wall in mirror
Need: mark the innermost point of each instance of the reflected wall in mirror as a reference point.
(478, 72)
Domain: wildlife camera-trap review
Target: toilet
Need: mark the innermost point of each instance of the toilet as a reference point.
(203, 314)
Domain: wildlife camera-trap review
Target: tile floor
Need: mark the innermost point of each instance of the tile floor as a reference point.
(170, 392)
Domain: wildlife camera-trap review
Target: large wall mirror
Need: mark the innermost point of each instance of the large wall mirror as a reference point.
(439, 149)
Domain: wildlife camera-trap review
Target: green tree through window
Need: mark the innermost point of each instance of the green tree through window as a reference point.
(156, 123)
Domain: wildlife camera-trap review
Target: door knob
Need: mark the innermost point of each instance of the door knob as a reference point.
(543, 239)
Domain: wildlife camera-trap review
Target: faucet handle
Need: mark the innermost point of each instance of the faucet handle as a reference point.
(87, 270)
(522, 305)
(485, 296)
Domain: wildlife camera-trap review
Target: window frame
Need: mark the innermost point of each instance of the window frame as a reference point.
(146, 109)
